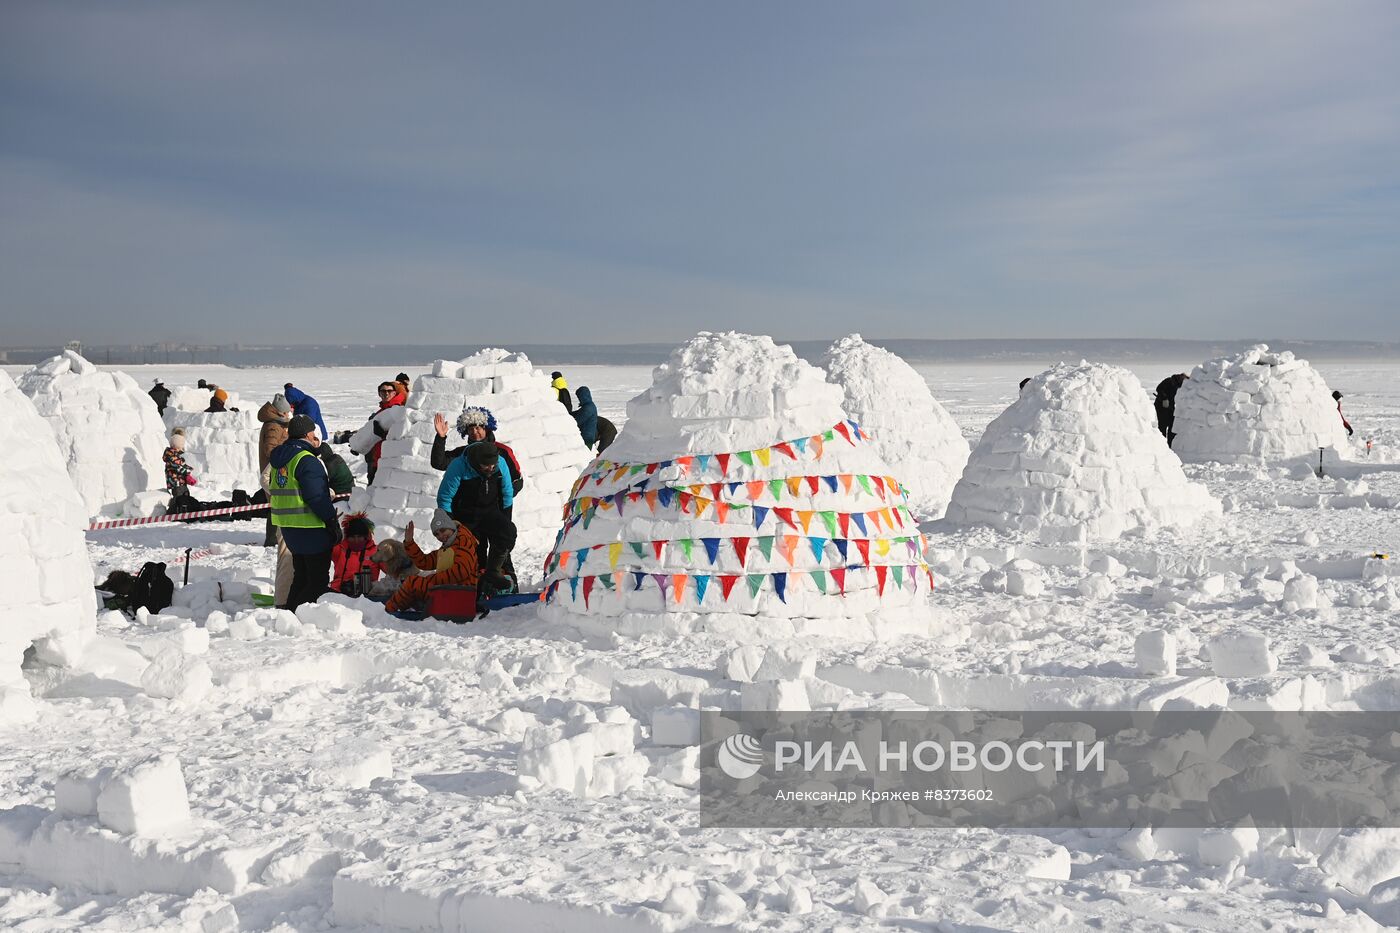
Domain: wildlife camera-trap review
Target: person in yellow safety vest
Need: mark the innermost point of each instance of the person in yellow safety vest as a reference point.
(560, 385)
(302, 510)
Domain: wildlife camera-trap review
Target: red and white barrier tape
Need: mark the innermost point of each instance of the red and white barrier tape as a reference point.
(186, 516)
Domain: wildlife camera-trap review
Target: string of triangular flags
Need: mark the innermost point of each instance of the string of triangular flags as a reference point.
(836, 522)
(689, 549)
(811, 446)
(885, 488)
(675, 586)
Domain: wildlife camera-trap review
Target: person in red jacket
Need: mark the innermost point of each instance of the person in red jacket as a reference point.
(390, 394)
(353, 554)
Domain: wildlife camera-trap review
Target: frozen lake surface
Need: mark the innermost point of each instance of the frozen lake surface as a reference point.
(363, 776)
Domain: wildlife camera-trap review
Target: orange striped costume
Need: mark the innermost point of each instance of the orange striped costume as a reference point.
(450, 565)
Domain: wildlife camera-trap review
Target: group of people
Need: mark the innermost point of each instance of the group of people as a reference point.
(1165, 404)
(320, 550)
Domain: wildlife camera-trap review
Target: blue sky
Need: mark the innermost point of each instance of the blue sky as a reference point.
(624, 172)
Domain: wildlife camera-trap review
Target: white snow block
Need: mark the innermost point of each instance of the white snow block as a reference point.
(641, 691)
(1223, 846)
(787, 662)
(1185, 693)
(1241, 655)
(549, 761)
(177, 676)
(774, 695)
(1361, 859)
(616, 774)
(145, 799)
(743, 662)
(332, 618)
(1155, 653)
(353, 763)
(675, 726)
(75, 793)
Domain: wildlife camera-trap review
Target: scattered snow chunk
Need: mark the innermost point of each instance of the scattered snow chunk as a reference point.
(145, 799)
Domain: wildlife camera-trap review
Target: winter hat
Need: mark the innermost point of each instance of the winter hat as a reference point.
(1336, 395)
(556, 375)
(475, 414)
(300, 426)
(177, 439)
(402, 377)
(483, 454)
(442, 522)
(221, 395)
(280, 403)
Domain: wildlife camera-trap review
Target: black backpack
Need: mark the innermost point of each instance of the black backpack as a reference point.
(153, 589)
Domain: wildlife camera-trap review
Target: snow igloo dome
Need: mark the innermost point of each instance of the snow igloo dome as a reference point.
(1077, 458)
(912, 431)
(109, 434)
(47, 600)
(530, 420)
(739, 499)
(1253, 408)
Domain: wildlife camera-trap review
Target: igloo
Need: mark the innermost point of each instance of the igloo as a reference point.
(221, 447)
(739, 499)
(48, 596)
(531, 421)
(1077, 458)
(109, 434)
(1255, 407)
(913, 433)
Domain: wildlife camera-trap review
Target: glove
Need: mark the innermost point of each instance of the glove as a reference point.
(190, 480)
(337, 533)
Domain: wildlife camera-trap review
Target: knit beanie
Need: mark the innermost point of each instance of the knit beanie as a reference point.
(300, 426)
(442, 522)
(483, 454)
(280, 403)
(221, 395)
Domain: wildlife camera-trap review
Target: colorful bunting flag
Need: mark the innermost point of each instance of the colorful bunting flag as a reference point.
(829, 520)
(711, 548)
(818, 546)
(787, 546)
(765, 545)
(614, 552)
(702, 583)
(723, 461)
(588, 583)
(687, 544)
(786, 449)
(775, 489)
(786, 516)
(759, 514)
(880, 572)
(745, 457)
(780, 586)
(678, 586)
(819, 578)
(839, 575)
(755, 582)
(741, 550)
(805, 517)
(764, 455)
(726, 584)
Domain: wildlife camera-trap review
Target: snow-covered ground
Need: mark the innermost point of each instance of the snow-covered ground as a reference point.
(349, 771)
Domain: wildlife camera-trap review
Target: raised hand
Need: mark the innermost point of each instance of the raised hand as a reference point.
(408, 533)
(440, 425)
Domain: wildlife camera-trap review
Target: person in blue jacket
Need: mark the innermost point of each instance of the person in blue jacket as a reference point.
(303, 404)
(586, 414)
(477, 491)
(302, 510)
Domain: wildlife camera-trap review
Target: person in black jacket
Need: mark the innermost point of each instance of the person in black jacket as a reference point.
(476, 424)
(1166, 404)
(607, 433)
(477, 491)
(161, 396)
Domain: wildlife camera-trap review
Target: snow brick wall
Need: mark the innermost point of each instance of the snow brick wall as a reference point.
(109, 434)
(739, 499)
(1255, 407)
(1077, 458)
(530, 421)
(48, 596)
(914, 433)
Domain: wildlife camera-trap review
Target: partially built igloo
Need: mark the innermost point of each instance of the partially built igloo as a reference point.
(1077, 458)
(48, 596)
(544, 437)
(1255, 407)
(221, 447)
(109, 434)
(739, 499)
(914, 433)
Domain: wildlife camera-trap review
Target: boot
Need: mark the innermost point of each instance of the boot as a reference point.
(493, 581)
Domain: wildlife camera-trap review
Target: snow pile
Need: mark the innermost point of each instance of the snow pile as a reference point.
(530, 421)
(48, 596)
(221, 448)
(109, 434)
(911, 430)
(1077, 457)
(738, 489)
(1255, 407)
